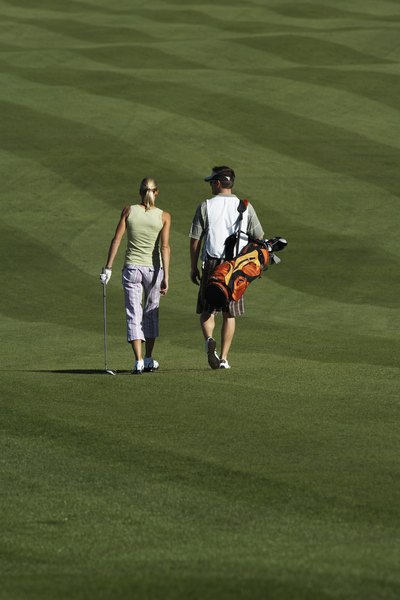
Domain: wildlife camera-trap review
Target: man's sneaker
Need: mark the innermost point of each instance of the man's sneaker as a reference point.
(213, 358)
(223, 364)
(150, 365)
(139, 366)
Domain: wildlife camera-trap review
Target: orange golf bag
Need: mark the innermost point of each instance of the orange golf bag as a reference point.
(230, 279)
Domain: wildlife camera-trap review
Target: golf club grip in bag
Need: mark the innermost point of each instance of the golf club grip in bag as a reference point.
(230, 279)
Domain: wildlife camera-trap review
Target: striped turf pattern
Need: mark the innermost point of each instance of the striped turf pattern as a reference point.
(278, 478)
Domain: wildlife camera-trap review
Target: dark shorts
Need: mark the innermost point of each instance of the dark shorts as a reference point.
(234, 309)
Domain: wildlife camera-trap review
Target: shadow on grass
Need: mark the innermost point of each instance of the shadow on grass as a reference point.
(103, 372)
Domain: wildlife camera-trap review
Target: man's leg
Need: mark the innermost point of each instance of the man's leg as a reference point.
(227, 333)
(149, 346)
(207, 322)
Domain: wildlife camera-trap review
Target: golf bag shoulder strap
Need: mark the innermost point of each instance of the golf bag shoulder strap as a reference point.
(241, 209)
(232, 241)
(243, 204)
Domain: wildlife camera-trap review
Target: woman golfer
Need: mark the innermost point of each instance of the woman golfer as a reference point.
(146, 270)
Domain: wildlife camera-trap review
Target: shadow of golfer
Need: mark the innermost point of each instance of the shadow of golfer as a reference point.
(74, 371)
(103, 372)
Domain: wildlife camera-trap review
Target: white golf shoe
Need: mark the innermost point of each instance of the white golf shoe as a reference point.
(224, 364)
(150, 365)
(139, 366)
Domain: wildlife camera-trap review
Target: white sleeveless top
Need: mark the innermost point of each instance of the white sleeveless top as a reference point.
(223, 220)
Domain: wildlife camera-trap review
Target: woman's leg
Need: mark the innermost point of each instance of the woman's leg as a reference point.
(137, 349)
(151, 284)
(133, 291)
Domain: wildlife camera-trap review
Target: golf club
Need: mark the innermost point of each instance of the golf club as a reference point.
(275, 244)
(106, 369)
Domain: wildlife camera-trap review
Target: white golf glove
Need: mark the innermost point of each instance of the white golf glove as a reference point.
(105, 276)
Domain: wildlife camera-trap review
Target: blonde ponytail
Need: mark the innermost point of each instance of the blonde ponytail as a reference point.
(148, 189)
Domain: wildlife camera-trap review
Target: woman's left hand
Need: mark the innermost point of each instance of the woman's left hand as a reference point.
(164, 287)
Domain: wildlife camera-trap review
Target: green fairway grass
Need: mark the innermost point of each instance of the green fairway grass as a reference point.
(278, 479)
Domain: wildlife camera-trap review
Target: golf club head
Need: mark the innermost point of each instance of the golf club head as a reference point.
(277, 243)
(110, 372)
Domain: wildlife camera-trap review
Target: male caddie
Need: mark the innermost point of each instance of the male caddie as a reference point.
(216, 219)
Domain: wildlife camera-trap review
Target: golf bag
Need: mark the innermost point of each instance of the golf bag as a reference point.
(230, 279)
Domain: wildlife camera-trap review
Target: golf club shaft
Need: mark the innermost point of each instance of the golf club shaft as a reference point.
(105, 325)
